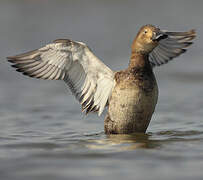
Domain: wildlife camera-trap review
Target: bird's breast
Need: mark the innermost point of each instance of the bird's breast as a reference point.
(133, 102)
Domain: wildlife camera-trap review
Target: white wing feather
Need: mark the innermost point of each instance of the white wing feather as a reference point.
(90, 80)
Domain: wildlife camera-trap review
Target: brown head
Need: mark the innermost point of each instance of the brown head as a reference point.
(147, 39)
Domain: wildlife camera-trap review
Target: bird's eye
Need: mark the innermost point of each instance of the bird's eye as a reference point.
(145, 31)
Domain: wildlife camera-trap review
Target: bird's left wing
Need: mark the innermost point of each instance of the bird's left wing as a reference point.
(174, 45)
(90, 80)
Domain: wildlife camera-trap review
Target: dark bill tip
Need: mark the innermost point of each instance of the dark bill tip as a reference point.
(159, 36)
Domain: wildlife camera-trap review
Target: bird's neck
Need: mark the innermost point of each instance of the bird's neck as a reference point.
(138, 61)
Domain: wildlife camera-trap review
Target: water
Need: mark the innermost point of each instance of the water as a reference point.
(44, 135)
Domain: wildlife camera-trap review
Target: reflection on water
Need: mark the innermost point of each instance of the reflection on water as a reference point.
(121, 142)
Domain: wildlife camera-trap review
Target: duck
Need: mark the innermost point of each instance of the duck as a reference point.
(130, 95)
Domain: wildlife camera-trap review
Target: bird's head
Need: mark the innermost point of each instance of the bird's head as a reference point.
(147, 39)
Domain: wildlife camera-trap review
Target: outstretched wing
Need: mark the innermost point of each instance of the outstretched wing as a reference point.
(90, 80)
(171, 47)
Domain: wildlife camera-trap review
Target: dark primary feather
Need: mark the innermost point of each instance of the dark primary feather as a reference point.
(171, 47)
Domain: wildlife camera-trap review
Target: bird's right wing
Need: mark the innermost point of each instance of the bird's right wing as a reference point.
(89, 79)
(174, 45)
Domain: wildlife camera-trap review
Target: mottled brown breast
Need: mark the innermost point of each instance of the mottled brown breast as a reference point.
(132, 102)
(141, 77)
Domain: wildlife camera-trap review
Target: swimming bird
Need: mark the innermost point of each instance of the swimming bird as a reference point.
(130, 95)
